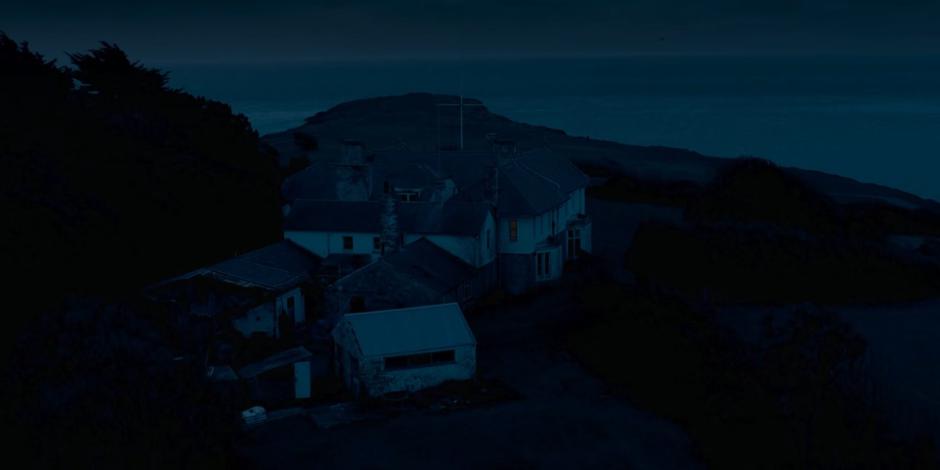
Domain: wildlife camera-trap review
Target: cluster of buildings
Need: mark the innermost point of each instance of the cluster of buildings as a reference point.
(382, 253)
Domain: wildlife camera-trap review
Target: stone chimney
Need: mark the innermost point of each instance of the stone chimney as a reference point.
(353, 153)
(491, 183)
(391, 234)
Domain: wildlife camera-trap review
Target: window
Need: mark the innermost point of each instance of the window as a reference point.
(408, 196)
(574, 243)
(420, 360)
(489, 239)
(513, 230)
(376, 244)
(388, 187)
(290, 305)
(347, 243)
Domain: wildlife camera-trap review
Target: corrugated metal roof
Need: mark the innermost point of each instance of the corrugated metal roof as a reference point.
(277, 266)
(410, 330)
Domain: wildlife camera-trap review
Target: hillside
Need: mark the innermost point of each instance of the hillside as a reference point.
(415, 121)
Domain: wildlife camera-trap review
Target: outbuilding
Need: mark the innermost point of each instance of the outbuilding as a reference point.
(403, 350)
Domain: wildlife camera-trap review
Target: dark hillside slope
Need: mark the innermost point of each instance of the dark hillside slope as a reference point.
(415, 121)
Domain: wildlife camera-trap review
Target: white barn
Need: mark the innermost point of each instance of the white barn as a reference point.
(403, 350)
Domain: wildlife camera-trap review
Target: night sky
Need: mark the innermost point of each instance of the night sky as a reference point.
(243, 31)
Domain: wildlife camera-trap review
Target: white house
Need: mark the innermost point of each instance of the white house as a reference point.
(465, 229)
(535, 198)
(403, 350)
(541, 215)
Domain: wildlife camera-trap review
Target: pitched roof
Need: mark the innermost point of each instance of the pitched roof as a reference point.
(536, 182)
(410, 330)
(451, 218)
(280, 359)
(424, 262)
(421, 273)
(328, 180)
(277, 266)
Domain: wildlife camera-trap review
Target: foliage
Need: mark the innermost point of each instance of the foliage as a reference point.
(97, 388)
(754, 265)
(110, 181)
(754, 190)
(631, 189)
(120, 181)
(795, 400)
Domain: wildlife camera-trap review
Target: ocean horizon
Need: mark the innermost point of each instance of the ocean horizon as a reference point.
(873, 119)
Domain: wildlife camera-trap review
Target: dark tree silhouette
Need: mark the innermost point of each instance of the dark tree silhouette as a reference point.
(111, 180)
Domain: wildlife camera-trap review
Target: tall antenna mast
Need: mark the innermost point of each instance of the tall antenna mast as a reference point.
(460, 101)
(459, 105)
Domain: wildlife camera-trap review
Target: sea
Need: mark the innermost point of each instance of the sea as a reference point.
(874, 119)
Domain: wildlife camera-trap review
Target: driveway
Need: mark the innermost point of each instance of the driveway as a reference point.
(563, 420)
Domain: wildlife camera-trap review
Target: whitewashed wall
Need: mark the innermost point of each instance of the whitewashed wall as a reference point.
(378, 381)
(257, 320)
(370, 373)
(534, 230)
(474, 250)
(328, 243)
(262, 319)
(525, 243)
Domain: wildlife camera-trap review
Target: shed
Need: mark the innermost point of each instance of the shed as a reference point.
(404, 350)
(285, 375)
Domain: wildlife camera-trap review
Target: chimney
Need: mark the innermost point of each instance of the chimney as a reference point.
(491, 184)
(352, 153)
(391, 235)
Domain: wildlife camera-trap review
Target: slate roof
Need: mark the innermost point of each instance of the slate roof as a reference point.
(421, 272)
(410, 330)
(425, 262)
(451, 218)
(536, 182)
(320, 180)
(530, 183)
